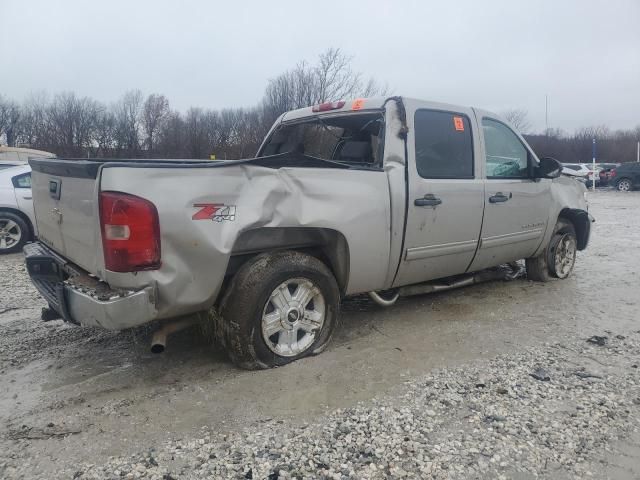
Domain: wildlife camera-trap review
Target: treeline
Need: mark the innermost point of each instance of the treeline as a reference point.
(147, 127)
(619, 146)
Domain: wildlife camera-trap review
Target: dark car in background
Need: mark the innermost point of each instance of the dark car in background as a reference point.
(605, 172)
(626, 177)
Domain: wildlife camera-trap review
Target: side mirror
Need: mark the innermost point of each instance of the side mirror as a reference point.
(548, 168)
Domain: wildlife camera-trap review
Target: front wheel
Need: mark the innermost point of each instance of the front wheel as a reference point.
(558, 258)
(280, 307)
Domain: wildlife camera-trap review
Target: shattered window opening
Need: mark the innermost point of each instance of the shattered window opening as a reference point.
(351, 140)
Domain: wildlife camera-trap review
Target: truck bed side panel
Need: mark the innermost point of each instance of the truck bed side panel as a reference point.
(195, 252)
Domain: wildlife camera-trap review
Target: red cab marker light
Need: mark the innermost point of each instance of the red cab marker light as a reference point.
(328, 106)
(357, 104)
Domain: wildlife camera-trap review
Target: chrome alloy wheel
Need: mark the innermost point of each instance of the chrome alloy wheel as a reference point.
(624, 185)
(293, 317)
(565, 255)
(10, 233)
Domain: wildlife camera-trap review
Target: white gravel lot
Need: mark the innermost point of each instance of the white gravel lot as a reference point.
(488, 419)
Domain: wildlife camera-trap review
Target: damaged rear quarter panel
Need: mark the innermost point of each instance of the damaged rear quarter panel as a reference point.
(195, 253)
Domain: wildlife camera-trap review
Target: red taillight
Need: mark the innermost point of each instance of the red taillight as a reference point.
(325, 107)
(130, 232)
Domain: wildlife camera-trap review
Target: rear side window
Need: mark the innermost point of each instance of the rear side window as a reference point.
(352, 139)
(22, 181)
(444, 148)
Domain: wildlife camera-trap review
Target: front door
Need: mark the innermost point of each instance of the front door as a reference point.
(446, 194)
(516, 205)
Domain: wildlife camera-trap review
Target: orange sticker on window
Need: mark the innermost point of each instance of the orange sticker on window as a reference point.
(458, 123)
(357, 104)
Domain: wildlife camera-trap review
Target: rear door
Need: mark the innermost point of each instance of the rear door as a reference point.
(22, 189)
(446, 192)
(516, 205)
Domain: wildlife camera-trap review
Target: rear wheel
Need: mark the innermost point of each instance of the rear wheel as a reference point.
(558, 258)
(279, 308)
(14, 232)
(624, 185)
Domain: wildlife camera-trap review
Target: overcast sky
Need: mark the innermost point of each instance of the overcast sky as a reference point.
(585, 55)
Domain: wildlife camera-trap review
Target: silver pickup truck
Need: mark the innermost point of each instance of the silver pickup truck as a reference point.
(392, 196)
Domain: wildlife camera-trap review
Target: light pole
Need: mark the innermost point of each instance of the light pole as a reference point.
(593, 168)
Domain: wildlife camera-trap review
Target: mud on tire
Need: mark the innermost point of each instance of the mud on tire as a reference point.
(541, 268)
(254, 294)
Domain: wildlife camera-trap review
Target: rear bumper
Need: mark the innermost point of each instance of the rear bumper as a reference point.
(82, 299)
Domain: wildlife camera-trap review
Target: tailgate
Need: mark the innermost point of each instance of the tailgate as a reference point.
(65, 197)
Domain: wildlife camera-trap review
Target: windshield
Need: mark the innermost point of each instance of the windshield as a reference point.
(353, 139)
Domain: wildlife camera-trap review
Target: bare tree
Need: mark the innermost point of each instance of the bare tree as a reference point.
(105, 133)
(519, 118)
(9, 120)
(127, 113)
(33, 122)
(154, 111)
(171, 136)
(3, 115)
(332, 78)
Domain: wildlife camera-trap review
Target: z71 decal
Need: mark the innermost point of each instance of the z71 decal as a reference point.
(218, 212)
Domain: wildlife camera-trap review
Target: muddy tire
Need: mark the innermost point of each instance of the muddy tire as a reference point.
(280, 307)
(558, 258)
(14, 233)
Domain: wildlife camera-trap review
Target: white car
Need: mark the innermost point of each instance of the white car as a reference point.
(12, 156)
(577, 171)
(17, 223)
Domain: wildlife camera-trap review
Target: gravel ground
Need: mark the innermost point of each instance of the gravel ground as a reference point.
(494, 381)
(543, 412)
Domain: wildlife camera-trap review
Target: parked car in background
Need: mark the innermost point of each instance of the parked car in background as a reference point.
(12, 156)
(605, 172)
(577, 171)
(626, 177)
(17, 222)
(590, 175)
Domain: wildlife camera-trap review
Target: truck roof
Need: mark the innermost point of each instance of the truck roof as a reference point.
(372, 103)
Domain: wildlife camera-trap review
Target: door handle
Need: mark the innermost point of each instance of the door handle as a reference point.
(500, 197)
(429, 200)
(27, 198)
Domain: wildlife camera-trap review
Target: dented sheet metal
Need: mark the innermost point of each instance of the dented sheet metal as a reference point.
(203, 212)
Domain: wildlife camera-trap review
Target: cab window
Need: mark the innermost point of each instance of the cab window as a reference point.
(506, 156)
(444, 148)
(22, 181)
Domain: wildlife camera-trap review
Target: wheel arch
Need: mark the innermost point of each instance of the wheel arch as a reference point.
(328, 245)
(581, 223)
(23, 216)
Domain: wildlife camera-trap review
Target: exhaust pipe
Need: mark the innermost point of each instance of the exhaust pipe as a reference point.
(159, 338)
